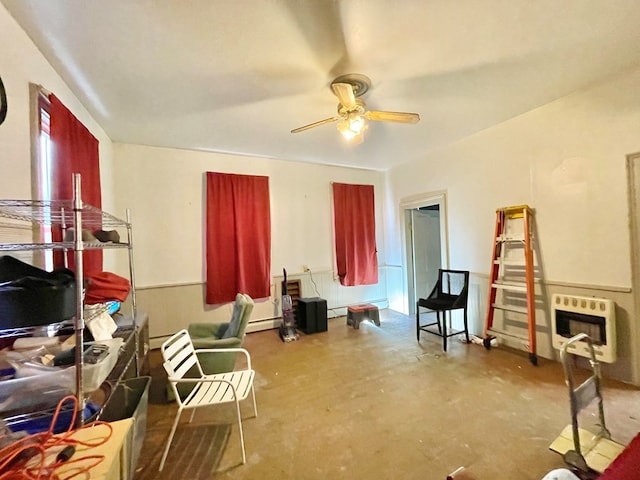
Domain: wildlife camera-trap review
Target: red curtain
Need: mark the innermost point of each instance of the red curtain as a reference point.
(238, 248)
(75, 150)
(355, 234)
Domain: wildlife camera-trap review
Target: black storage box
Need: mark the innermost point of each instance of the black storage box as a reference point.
(31, 297)
(311, 315)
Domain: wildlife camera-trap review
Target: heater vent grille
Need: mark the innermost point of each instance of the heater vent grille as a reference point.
(572, 315)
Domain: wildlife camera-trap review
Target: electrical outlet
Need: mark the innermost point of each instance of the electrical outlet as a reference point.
(305, 268)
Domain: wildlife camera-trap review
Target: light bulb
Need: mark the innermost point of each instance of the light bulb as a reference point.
(356, 122)
(345, 130)
(352, 127)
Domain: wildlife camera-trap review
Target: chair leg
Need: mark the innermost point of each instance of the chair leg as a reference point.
(193, 414)
(438, 320)
(417, 323)
(444, 329)
(173, 431)
(244, 458)
(466, 326)
(253, 394)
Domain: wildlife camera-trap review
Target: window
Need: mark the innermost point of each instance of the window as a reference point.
(44, 171)
(62, 146)
(355, 234)
(238, 237)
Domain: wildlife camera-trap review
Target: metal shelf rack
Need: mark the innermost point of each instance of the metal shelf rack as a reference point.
(26, 215)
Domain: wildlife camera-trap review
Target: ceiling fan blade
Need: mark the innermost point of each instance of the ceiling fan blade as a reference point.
(400, 117)
(315, 124)
(344, 92)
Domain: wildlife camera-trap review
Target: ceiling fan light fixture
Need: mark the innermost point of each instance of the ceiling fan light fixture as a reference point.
(353, 117)
(352, 125)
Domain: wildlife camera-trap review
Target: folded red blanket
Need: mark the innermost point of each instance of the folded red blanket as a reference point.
(105, 286)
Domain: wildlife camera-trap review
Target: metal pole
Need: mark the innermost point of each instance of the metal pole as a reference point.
(78, 248)
(134, 309)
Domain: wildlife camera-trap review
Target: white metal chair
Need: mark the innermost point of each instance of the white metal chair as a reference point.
(181, 361)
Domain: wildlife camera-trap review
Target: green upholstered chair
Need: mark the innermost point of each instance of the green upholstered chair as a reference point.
(222, 335)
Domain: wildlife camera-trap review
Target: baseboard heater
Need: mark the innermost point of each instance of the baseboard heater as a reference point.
(572, 315)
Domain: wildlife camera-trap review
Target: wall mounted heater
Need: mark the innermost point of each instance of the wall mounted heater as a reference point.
(571, 315)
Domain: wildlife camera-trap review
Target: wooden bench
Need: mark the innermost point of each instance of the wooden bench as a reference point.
(358, 313)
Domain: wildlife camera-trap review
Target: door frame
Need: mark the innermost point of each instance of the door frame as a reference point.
(406, 205)
(633, 173)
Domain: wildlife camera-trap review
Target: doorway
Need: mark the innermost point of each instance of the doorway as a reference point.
(426, 245)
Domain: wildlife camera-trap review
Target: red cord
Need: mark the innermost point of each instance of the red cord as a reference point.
(12, 467)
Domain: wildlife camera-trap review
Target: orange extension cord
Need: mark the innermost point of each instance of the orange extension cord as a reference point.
(12, 467)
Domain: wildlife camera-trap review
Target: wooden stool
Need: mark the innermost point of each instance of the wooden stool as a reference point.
(358, 313)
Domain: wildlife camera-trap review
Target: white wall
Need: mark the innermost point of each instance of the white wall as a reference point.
(22, 63)
(567, 161)
(165, 190)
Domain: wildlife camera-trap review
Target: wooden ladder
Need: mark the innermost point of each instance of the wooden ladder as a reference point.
(511, 252)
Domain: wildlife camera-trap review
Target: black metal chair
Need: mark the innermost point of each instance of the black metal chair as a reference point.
(449, 293)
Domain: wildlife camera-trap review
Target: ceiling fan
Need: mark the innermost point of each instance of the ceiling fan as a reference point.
(352, 113)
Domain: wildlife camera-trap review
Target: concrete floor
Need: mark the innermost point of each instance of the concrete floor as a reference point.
(375, 404)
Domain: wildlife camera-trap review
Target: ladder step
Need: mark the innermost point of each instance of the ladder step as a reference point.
(514, 287)
(511, 308)
(510, 238)
(501, 333)
(511, 263)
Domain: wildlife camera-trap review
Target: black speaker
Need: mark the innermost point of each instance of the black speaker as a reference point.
(311, 315)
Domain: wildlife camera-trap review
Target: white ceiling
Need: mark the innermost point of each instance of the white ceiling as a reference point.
(237, 75)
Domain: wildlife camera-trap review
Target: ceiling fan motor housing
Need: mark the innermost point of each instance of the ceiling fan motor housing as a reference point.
(359, 83)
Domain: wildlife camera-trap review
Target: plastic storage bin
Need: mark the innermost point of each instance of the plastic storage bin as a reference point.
(130, 399)
(41, 422)
(51, 384)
